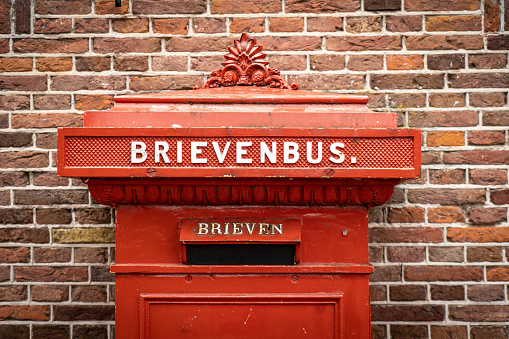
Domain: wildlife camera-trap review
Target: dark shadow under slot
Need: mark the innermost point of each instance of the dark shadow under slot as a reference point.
(241, 254)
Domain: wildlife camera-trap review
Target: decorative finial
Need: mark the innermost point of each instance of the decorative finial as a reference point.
(245, 65)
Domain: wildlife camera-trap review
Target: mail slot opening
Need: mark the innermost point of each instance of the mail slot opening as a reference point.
(241, 254)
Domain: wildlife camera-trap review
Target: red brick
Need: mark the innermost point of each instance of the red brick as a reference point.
(386, 273)
(200, 63)
(443, 273)
(21, 235)
(324, 24)
(292, 43)
(498, 42)
(198, 44)
(15, 64)
(14, 255)
(481, 215)
(497, 274)
(445, 215)
(407, 81)
(446, 253)
(363, 43)
(363, 24)
(475, 313)
(51, 331)
(24, 312)
(50, 293)
(487, 99)
(506, 16)
(487, 61)
(288, 62)
(407, 313)
(488, 176)
(131, 25)
(249, 25)
(5, 273)
(378, 292)
(127, 45)
(382, 5)
(168, 7)
(86, 25)
(446, 100)
(445, 5)
(104, 7)
(54, 64)
(102, 273)
(446, 196)
(446, 61)
(321, 6)
(23, 83)
(46, 274)
(445, 138)
(159, 83)
(91, 255)
(93, 216)
(89, 294)
(397, 197)
(447, 292)
(47, 141)
(52, 26)
(440, 42)
(51, 255)
(53, 216)
(492, 332)
(63, 7)
(478, 254)
(500, 197)
(491, 16)
(13, 293)
(447, 176)
(378, 331)
(87, 82)
(171, 63)
(84, 312)
(404, 62)
(327, 62)
(406, 254)
(14, 179)
(5, 22)
(479, 80)
(49, 197)
(409, 331)
(498, 118)
(285, 24)
(4, 45)
(376, 254)
(209, 25)
(477, 157)
(409, 23)
(99, 332)
(407, 292)
(328, 81)
(9, 139)
(52, 102)
(377, 100)
(93, 64)
(443, 119)
(406, 100)
(15, 331)
(446, 332)
(170, 26)
(365, 62)
(23, 159)
(405, 215)
(51, 46)
(405, 234)
(14, 103)
(46, 120)
(131, 64)
(453, 23)
(478, 234)
(93, 102)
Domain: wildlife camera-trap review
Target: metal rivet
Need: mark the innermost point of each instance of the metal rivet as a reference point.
(151, 172)
(295, 278)
(188, 278)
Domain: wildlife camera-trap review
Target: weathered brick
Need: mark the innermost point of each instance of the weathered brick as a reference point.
(446, 176)
(18, 179)
(52, 102)
(363, 43)
(475, 313)
(409, 23)
(89, 294)
(382, 5)
(49, 179)
(321, 6)
(104, 7)
(127, 45)
(478, 234)
(443, 119)
(488, 176)
(440, 42)
(170, 26)
(91, 255)
(200, 63)
(328, 81)
(64, 7)
(406, 100)
(292, 43)
(457, 332)
(51, 255)
(407, 292)
(445, 215)
(404, 62)
(405, 215)
(487, 99)
(24, 312)
(477, 254)
(23, 159)
(498, 42)
(284, 24)
(50, 45)
(21, 235)
(15, 64)
(159, 83)
(12, 139)
(97, 332)
(46, 273)
(14, 255)
(407, 81)
(406, 254)
(4, 45)
(479, 157)
(365, 62)
(14, 102)
(405, 234)
(327, 62)
(492, 332)
(447, 100)
(497, 273)
(209, 25)
(249, 25)
(324, 24)
(102, 273)
(93, 102)
(23, 83)
(93, 216)
(497, 118)
(92, 25)
(52, 26)
(453, 23)
(386, 273)
(84, 312)
(363, 24)
(479, 80)
(83, 235)
(407, 313)
(168, 7)
(446, 5)
(445, 138)
(46, 197)
(197, 44)
(447, 292)
(87, 82)
(50, 293)
(131, 25)
(15, 331)
(446, 196)
(172, 63)
(500, 197)
(487, 61)
(131, 64)
(54, 64)
(51, 331)
(409, 331)
(5, 22)
(443, 273)
(378, 331)
(446, 254)
(481, 215)
(378, 292)
(93, 64)
(13, 293)
(446, 61)
(47, 141)
(288, 62)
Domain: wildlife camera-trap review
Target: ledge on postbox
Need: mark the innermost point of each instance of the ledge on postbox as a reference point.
(235, 142)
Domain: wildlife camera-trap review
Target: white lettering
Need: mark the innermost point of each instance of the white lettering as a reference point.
(203, 228)
(290, 148)
(195, 151)
(279, 228)
(138, 147)
(309, 153)
(334, 150)
(161, 152)
(220, 155)
(179, 152)
(215, 227)
(250, 229)
(263, 228)
(265, 152)
(241, 151)
(237, 228)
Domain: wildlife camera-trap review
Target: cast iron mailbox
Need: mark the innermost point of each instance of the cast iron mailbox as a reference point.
(241, 209)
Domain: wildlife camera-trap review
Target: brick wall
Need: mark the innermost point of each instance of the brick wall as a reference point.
(440, 246)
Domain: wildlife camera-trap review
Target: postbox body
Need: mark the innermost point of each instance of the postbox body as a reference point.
(242, 212)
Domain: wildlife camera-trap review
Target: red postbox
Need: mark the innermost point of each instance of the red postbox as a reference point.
(241, 209)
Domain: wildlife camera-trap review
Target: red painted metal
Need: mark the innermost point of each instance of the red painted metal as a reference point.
(320, 208)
